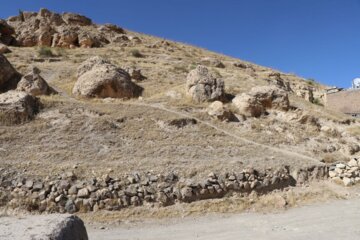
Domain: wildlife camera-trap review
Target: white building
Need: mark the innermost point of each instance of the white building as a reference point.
(356, 83)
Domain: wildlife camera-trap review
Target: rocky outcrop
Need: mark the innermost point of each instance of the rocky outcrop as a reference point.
(34, 84)
(259, 99)
(17, 107)
(97, 77)
(68, 30)
(9, 77)
(202, 86)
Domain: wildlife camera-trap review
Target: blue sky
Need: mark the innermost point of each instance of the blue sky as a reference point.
(317, 39)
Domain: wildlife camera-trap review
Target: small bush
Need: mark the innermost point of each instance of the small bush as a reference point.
(318, 102)
(311, 82)
(45, 52)
(136, 53)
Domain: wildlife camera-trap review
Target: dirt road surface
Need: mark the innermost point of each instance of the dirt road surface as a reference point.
(333, 220)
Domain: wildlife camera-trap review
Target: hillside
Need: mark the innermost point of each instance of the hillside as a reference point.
(164, 131)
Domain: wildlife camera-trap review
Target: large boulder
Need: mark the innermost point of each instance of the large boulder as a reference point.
(259, 99)
(97, 77)
(46, 227)
(34, 84)
(9, 77)
(202, 86)
(17, 107)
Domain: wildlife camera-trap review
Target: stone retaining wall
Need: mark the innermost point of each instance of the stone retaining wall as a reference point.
(69, 194)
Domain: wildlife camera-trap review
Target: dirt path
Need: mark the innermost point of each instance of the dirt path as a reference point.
(334, 220)
(182, 114)
(233, 135)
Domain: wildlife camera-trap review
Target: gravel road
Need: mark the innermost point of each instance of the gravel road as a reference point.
(333, 220)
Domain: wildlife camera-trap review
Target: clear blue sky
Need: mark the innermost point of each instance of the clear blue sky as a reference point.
(317, 39)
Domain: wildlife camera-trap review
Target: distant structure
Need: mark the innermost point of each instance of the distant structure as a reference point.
(356, 83)
(344, 100)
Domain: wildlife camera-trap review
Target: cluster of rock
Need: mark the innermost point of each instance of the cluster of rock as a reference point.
(97, 77)
(202, 86)
(18, 102)
(259, 99)
(68, 194)
(348, 173)
(45, 28)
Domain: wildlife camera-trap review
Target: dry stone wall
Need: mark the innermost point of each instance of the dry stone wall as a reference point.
(68, 194)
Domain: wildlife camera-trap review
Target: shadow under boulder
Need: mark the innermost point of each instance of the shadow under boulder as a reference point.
(9, 77)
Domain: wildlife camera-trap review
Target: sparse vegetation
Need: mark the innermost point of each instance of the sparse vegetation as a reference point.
(136, 53)
(318, 102)
(45, 52)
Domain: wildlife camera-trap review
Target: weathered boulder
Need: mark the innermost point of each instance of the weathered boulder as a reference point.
(9, 77)
(34, 84)
(54, 227)
(17, 107)
(99, 78)
(259, 99)
(219, 111)
(271, 97)
(248, 105)
(203, 86)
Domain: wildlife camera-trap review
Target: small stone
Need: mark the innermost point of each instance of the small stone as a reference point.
(38, 186)
(352, 163)
(232, 178)
(92, 188)
(70, 206)
(212, 175)
(347, 181)
(341, 165)
(72, 190)
(59, 198)
(29, 184)
(83, 193)
(64, 184)
(332, 174)
(339, 170)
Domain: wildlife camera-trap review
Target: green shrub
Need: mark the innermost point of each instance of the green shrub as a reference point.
(317, 101)
(45, 52)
